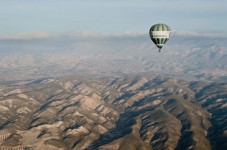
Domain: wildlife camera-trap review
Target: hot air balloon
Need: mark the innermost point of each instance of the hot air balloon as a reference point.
(160, 34)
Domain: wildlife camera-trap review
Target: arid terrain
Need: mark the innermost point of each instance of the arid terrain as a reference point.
(113, 92)
(136, 112)
(100, 75)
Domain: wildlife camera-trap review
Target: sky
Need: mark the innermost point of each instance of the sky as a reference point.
(106, 16)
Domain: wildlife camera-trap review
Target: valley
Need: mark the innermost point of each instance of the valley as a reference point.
(131, 112)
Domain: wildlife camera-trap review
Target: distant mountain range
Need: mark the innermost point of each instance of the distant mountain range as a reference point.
(201, 57)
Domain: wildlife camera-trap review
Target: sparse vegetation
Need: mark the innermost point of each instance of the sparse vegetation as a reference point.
(138, 112)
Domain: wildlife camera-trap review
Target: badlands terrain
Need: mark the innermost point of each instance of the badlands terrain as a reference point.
(113, 92)
(138, 112)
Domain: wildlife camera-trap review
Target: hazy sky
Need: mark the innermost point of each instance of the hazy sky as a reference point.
(19, 16)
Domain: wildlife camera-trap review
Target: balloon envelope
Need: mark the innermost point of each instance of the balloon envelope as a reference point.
(160, 34)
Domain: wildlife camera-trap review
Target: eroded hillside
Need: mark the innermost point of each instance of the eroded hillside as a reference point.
(132, 112)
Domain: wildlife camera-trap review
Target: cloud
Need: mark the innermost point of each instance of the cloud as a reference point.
(200, 34)
(100, 35)
(89, 35)
(28, 36)
(71, 34)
